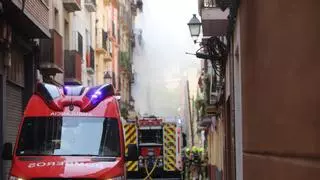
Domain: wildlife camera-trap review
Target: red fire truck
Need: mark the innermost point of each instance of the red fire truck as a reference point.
(159, 143)
(73, 132)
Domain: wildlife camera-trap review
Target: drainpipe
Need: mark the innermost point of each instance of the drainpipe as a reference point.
(232, 115)
(190, 115)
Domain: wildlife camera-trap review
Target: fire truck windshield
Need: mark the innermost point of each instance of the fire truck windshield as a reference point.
(69, 136)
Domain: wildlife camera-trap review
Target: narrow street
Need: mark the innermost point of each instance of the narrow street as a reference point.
(163, 90)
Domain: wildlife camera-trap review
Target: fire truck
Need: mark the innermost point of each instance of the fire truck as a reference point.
(159, 144)
(73, 132)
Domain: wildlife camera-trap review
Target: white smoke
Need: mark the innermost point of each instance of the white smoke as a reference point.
(160, 61)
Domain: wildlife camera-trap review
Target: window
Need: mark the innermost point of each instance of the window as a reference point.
(80, 44)
(16, 71)
(56, 19)
(68, 136)
(88, 38)
(66, 35)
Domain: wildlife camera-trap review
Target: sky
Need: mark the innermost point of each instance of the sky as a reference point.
(161, 64)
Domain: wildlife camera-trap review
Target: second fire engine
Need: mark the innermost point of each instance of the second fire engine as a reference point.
(159, 143)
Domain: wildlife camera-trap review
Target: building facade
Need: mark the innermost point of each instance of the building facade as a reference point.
(19, 59)
(68, 57)
(269, 110)
(103, 51)
(125, 58)
(58, 42)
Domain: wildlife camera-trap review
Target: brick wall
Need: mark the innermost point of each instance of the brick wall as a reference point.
(39, 10)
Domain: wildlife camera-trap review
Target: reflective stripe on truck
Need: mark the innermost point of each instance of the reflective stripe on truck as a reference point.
(169, 146)
(130, 131)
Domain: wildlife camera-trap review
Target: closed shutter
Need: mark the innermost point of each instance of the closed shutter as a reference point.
(14, 114)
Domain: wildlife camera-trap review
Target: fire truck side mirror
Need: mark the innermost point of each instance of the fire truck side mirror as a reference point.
(132, 153)
(7, 151)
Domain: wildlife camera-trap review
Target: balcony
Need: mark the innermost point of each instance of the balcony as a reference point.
(102, 45)
(214, 20)
(32, 22)
(101, 41)
(91, 5)
(51, 54)
(72, 5)
(90, 60)
(72, 64)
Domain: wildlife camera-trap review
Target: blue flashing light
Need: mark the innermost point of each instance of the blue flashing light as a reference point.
(98, 93)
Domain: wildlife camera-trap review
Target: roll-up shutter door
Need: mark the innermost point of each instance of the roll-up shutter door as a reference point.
(14, 96)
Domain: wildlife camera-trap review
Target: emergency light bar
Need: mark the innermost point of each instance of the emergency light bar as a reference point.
(56, 98)
(97, 94)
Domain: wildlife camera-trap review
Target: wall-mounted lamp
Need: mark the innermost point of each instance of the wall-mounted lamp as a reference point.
(194, 27)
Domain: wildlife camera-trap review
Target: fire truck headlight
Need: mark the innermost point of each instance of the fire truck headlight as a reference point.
(140, 162)
(116, 178)
(15, 178)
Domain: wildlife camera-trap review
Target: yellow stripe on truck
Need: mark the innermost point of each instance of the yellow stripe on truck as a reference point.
(130, 131)
(132, 166)
(169, 146)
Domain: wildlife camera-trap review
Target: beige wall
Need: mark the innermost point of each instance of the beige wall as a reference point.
(102, 15)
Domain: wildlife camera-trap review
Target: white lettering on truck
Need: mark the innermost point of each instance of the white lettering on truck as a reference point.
(61, 163)
(70, 114)
(32, 165)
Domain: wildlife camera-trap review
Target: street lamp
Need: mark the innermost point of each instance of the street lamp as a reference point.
(194, 27)
(131, 102)
(107, 77)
